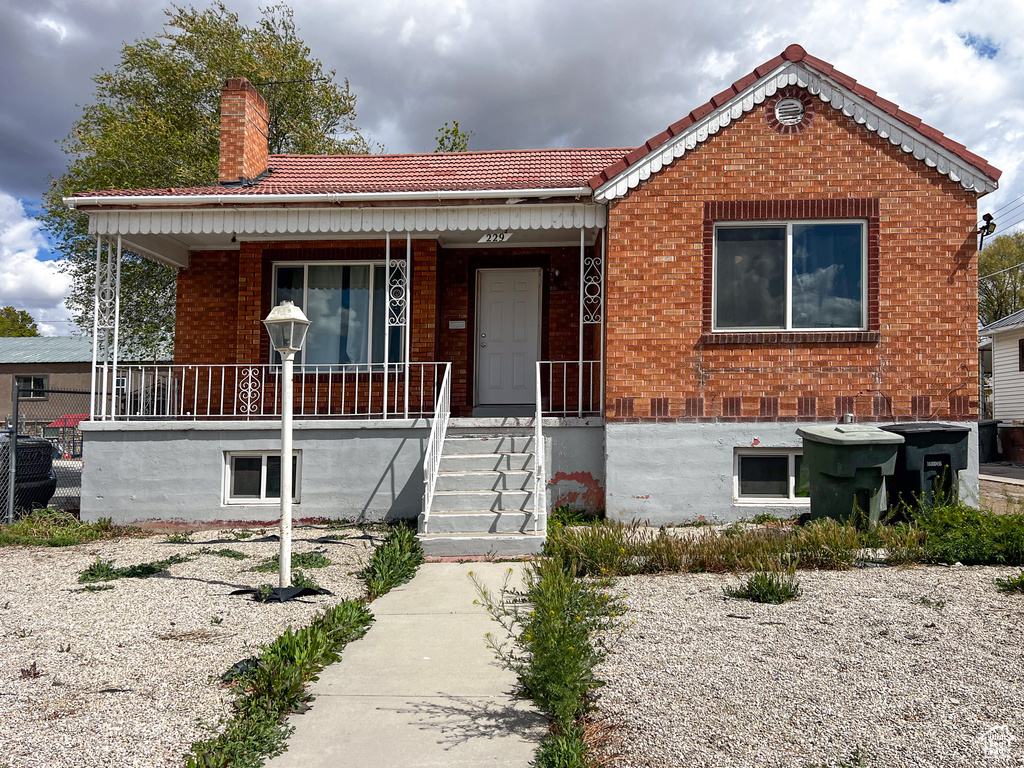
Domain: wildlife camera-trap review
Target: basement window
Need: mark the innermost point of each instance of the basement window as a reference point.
(255, 478)
(769, 476)
(790, 276)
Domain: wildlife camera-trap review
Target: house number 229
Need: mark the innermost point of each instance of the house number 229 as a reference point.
(495, 237)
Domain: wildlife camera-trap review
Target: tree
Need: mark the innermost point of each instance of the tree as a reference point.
(17, 322)
(1001, 294)
(155, 123)
(451, 139)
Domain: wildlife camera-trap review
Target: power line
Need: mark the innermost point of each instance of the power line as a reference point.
(1008, 204)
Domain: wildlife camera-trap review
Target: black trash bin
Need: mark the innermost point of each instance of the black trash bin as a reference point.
(988, 441)
(928, 462)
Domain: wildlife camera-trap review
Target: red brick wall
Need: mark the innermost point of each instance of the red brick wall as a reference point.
(923, 318)
(457, 275)
(207, 309)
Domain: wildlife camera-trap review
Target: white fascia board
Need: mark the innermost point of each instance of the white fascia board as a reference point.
(827, 90)
(323, 198)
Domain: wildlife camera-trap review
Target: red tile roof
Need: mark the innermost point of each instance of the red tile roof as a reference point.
(793, 53)
(507, 171)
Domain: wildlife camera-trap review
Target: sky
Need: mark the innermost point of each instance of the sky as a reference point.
(521, 74)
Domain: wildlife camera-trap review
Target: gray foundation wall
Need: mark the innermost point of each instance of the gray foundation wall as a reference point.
(174, 472)
(679, 473)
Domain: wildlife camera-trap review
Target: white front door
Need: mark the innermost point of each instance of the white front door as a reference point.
(507, 335)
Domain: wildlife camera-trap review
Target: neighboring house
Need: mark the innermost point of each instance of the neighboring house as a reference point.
(796, 249)
(38, 364)
(1007, 356)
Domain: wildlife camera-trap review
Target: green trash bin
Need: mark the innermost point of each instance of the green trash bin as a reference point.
(929, 462)
(847, 466)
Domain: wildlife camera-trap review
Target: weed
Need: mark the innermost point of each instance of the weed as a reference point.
(6, 605)
(927, 602)
(857, 759)
(234, 554)
(240, 535)
(770, 583)
(216, 619)
(1013, 584)
(554, 623)
(55, 528)
(565, 515)
(300, 560)
(263, 592)
(825, 544)
(181, 537)
(766, 518)
(904, 543)
(274, 686)
(31, 672)
(563, 750)
(392, 563)
(94, 588)
(22, 633)
(957, 532)
(104, 570)
(302, 581)
(64, 648)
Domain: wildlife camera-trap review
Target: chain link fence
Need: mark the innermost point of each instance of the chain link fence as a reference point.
(41, 451)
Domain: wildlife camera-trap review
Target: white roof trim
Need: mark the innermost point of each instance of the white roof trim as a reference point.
(333, 221)
(829, 91)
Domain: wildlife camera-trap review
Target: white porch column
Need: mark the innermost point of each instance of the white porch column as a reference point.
(106, 328)
(397, 314)
(591, 311)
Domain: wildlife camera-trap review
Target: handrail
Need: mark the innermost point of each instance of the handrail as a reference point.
(435, 443)
(539, 481)
(162, 391)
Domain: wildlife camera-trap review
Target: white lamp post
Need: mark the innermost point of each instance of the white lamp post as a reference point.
(287, 326)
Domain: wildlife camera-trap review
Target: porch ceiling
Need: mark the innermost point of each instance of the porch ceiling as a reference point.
(167, 236)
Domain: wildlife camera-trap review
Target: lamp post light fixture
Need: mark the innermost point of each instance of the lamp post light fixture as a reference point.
(287, 326)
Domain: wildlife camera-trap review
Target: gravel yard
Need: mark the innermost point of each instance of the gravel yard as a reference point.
(130, 676)
(914, 667)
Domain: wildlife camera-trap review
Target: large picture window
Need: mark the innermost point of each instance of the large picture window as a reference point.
(801, 275)
(346, 305)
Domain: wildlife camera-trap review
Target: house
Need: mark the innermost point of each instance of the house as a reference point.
(37, 365)
(1006, 355)
(498, 333)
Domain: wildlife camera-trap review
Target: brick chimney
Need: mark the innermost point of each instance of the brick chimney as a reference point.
(244, 130)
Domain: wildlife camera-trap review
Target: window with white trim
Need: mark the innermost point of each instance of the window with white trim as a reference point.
(797, 275)
(32, 387)
(346, 303)
(252, 477)
(770, 475)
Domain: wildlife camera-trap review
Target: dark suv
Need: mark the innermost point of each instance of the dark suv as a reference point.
(35, 481)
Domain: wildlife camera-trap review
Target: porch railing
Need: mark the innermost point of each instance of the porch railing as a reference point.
(435, 445)
(569, 387)
(253, 392)
(539, 474)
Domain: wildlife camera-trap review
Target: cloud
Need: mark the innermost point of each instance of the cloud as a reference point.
(38, 287)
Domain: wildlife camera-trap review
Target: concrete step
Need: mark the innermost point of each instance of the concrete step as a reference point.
(485, 462)
(485, 481)
(480, 545)
(482, 521)
(488, 444)
(494, 501)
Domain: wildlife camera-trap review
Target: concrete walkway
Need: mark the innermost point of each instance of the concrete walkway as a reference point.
(421, 688)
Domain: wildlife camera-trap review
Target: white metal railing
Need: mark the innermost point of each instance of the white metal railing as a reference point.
(569, 387)
(539, 477)
(435, 444)
(252, 392)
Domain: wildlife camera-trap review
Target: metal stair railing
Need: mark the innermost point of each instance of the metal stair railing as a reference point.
(435, 444)
(538, 457)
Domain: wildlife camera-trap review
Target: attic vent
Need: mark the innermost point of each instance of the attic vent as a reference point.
(789, 111)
